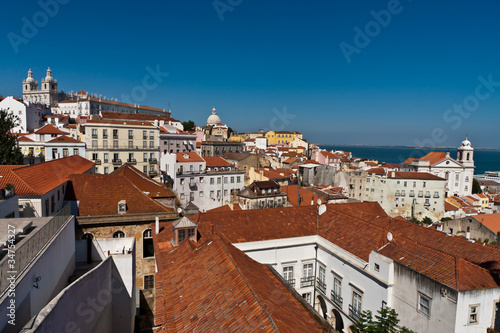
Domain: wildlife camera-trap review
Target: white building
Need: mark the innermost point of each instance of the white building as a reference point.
(29, 116)
(407, 194)
(222, 179)
(458, 172)
(187, 172)
(353, 258)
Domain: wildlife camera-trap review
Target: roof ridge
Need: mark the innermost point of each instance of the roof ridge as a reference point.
(245, 281)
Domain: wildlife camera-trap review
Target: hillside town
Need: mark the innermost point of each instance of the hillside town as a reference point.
(125, 218)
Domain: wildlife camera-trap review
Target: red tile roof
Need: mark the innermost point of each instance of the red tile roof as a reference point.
(24, 139)
(147, 185)
(491, 221)
(39, 179)
(433, 157)
(217, 162)
(49, 129)
(451, 260)
(188, 157)
(216, 287)
(450, 206)
(377, 171)
(118, 122)
(136, 116)
(306, 196)
(99, 195)
(65, 138)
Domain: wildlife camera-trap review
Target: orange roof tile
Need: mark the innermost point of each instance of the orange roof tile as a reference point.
(306, 196)
(64, 138)
(213, 286)
(99, 195)
(491, 221)
(217, 162)
(39, 179)
(188, 157)
(413, 175)
(149, 186)
(49, 129)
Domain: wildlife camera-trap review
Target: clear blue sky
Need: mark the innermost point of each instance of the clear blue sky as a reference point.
(275, 55)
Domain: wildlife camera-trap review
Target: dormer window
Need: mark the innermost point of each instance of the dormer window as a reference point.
(183, 228)
(122, 207)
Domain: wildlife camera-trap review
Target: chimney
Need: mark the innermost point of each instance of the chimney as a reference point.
(157, 225)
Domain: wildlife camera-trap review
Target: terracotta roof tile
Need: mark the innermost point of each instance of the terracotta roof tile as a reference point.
(49, 129)
(215, 287)
(147, 185)
(64, 138)
(491, 221)
(100, 194)
(189, 157)
(40, 178)
(217, 162)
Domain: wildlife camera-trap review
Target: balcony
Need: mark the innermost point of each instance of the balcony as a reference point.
(97, 162)
(193, 186)
(336, 299)
(152, 173)
(307, 281)
(132, 161)
(117, 162)
(153, 160)
(291, 282)
(420, 195)
(354, 313)
(321, 285)
(427, 195)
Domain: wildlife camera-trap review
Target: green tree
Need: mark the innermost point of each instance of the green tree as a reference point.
(476, 188)
(189, 125)
(427, 220)
(9, 151)
(386, 321)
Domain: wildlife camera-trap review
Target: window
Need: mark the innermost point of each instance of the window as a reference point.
(225, 180)
(130, 134)
(356, 304)
(424, 304)
(473, 312)
(94, 156)
(337, 290)
(183, 233)
(65, 152)
(147, 244)
(104, 133)
(424, 183)
(144, 135)
(145, 157)
(238, 179)
(75, 151)
(307, 297)
(201, 193)
(307, 270)
(94, 143)
(321, 276)
(201, 168)
(145, 169)
(149, 281)
(212, 194)
(218, 180)
(106, 170)
(201, 179)
(87, 236)
(144, 144)
(94, 133)
(130, 144)
(191, 196)
(212, 180)
(115, 134)
(151, 135)
(225, 193)
(151, 144)
(115, 144)
(377, 267)
(106, 157)
(218, 195)
(404, 184)
(182, 181)
(232, 180)
(414, 184)
(182, 196)
(288, 274)
(119, 234)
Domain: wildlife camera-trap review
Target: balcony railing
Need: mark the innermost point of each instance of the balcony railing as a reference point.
(321, 285)
(153, 160)
(152, 173)
(193, 186)
(336, 299)
(307, 281)
(354, 313)
(132, 161)
(117, 162)
(427, 195)
(420, 195)
(97, 162)
(291, 282)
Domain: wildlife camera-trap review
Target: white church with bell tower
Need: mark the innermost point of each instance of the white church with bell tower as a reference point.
(45, 94)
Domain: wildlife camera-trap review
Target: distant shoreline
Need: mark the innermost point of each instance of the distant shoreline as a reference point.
(405, 147)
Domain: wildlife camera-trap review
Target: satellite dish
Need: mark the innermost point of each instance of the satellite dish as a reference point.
(389, 236)
(319, 201)
(179, 210)
(321, 209)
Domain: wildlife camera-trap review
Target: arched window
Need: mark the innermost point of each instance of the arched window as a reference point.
(119, 234)
(147, 244)
(87, 236)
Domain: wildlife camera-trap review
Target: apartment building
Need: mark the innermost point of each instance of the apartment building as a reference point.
(113, 143)
(407, 194)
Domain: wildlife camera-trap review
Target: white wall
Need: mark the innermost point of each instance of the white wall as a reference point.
(486, 299)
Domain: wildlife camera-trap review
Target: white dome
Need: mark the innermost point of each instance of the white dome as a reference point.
(466, 145)
(49, 77)
(30, 78)
(213, 119)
